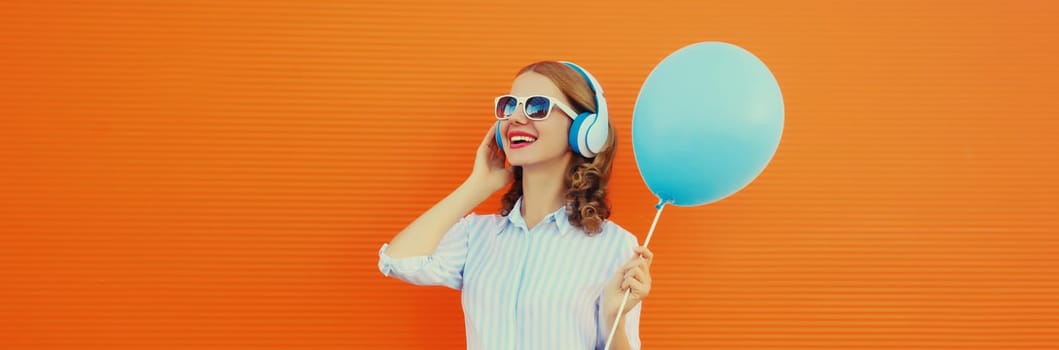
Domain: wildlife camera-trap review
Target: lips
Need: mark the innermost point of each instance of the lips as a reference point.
(520, 139)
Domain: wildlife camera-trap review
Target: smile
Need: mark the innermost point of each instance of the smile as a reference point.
(521, 139)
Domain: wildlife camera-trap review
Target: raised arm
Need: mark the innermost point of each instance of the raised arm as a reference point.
(489, 175)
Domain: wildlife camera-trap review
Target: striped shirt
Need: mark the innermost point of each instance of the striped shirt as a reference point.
(526, 289)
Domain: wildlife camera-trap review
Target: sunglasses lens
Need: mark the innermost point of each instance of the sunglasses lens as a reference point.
(505, 106)
(537, 107)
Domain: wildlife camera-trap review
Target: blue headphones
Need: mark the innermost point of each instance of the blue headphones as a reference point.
(589, 131)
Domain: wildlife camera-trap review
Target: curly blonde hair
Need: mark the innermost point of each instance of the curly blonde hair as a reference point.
(586, 178)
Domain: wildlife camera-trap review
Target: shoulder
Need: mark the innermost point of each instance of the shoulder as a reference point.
(475, 223)
(612, 248)
(484, 218)
(619, 238)
(612, 230)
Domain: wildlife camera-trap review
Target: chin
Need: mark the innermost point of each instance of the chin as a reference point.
(518, 161)
(529, 158)
(523, 158)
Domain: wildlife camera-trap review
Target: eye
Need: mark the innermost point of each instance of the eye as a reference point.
(506, 106)
(537, 107)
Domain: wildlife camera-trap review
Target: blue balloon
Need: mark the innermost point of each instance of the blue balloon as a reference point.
(706, 123)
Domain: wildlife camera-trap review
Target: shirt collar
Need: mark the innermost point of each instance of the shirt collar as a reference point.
(559, 217)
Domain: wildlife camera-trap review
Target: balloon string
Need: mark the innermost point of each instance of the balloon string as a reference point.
(651, 232)
(624, 300)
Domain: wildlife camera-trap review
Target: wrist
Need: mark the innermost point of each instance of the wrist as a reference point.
(477, 188)
(484, 184)
(610, 320)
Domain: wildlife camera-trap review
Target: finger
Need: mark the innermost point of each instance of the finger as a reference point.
(639, 274)
(639, 289)
(647, 254)
(489, 134)
(632, 270)
(495, 154)
(490, 138)
(632, 265)
(630, 282)
(634, 262)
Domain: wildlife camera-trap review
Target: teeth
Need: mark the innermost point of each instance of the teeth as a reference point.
(522, 139)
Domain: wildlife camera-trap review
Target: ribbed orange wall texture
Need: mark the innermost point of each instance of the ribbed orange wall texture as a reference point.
(220, 175)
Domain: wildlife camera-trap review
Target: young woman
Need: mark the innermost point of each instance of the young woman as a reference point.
(550, 271)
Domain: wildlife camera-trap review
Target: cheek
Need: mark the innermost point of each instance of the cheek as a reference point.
(560, 132)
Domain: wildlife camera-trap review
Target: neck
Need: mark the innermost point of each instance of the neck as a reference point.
(543, 191)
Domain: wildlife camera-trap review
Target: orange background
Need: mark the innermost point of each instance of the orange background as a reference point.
(220, 175)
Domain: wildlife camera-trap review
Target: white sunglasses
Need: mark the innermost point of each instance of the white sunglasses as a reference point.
(536, 107)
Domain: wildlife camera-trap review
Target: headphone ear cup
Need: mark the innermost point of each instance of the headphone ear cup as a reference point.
(579, 134)
(585, 137)
(499, 140)
(595, 134)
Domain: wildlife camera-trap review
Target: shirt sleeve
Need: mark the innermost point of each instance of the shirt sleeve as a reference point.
(632, 318)
(444, 267)
(632, 327)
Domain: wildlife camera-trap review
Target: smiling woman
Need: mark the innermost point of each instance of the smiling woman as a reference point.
(219, 175)
(550, 270)
(585, 178)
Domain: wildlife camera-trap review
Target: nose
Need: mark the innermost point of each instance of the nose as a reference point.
(519, 116)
